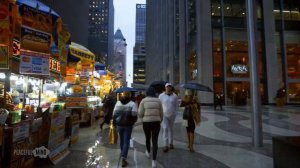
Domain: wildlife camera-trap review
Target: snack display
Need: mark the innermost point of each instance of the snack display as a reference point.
(9, 101)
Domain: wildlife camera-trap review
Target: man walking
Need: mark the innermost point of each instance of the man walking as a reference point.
(170, 106)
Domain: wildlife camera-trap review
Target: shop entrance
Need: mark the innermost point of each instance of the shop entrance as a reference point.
(238, 93)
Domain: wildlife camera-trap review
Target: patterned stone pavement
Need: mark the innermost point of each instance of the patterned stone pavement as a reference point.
(223, 140)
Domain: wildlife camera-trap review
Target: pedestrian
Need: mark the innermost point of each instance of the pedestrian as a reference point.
(139, 98)
(218, 100)
(191, 115)
(107, 108)
(170, 106)
(125, 115)
(151, 114)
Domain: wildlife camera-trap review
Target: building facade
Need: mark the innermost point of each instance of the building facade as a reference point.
(139, 51)
(100, 28)
(118, 64)
(207, 42)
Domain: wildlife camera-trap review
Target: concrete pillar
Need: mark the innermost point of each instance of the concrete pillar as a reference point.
(182, 41)
(204, 48)
(171, 38)
(271, 56)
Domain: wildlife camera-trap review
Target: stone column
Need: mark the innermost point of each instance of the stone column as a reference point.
(271, 55)
(182, 41)
(204, 48)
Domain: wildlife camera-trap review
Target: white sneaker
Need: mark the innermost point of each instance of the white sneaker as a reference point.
(154, 163)
(147, 154)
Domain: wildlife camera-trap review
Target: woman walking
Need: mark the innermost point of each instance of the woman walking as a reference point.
(125, 115)
(151, 114)
(191, 114)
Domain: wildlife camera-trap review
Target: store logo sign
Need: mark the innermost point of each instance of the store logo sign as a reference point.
(239, 69)
(41, 152)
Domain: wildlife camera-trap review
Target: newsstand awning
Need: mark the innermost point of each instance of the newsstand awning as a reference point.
(81, 53)
(37, 4)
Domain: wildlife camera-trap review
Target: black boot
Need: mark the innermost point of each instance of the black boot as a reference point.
(124, 163)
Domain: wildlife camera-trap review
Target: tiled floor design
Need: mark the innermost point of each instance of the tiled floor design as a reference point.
(223, 140)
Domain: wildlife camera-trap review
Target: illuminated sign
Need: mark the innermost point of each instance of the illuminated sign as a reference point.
(81, 54)
(239, 69)
(54, 65)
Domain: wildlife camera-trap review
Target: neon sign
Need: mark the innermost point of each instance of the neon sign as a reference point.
(54, 65)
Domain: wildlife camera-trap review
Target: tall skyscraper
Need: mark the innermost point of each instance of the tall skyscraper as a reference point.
(118, 64)
(101, 26)
(91, 23)
(139, 52)
(76, 19)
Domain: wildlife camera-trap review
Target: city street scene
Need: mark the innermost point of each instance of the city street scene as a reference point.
(149, 84)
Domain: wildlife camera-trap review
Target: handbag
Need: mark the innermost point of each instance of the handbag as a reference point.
(187, 114)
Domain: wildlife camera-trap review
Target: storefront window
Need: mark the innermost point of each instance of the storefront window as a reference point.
(215, 8)
(238, 93)
(292, 39)
(237, 64)
(290, 10)
(193, 66)
(234, 8)
(294, 92)
(217, 55)
(293, 54)
(218, 63)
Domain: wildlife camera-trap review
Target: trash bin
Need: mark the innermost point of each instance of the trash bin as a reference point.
(286, 151)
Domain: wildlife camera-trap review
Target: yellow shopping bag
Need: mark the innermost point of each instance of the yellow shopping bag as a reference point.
(113, 134)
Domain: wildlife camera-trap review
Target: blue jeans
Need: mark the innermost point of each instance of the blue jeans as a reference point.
(125, 135)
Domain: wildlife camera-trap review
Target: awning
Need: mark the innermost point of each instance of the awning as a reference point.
(81, 53)
(37, 4)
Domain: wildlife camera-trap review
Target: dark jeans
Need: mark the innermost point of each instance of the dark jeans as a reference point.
(152, 129)
(125, 135)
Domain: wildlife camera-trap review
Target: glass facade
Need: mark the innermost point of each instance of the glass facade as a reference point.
(230, 52)
(287, 18)
(139, 52)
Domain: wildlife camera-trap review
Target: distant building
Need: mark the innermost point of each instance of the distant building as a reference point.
(91, 25)
(67, 10)
(101, 26)
(139, 52)
(118, 62)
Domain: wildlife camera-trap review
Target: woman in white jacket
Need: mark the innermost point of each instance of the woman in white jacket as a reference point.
(151, 114)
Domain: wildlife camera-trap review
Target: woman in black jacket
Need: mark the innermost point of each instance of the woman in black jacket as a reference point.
(125, 115)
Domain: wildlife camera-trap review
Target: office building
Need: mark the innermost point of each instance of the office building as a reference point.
(139, 51)
(207, 42)
(101, 26)
(74, 18)
(118, 64)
